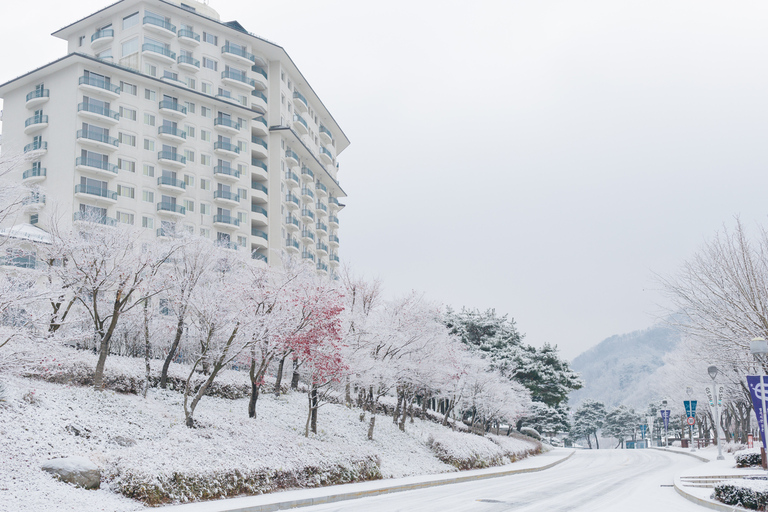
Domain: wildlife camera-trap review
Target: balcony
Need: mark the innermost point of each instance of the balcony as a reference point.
(36, 149)
(334, 258)
(171, 158)
(102, 38)
(292, 245)
(321, 248)
(322, 268)
(326, 156)
(321, 209)
(172, 134)
(259, 147)
(226, 198)
(37, 97)
(291, 158)
(291, 180)
(307, 174)
(291, 223)
(101, 195)
(238, 54)
(99, 86)
(172, 108)
(258, 192)
(260, 77)
(333, 240)
(157, 52)
(259, 127)
(96, 166)
(171, 184)
(35, 124)
(188, 63)
(259, 169)
(98, 113)
(307, 195)
(171, 209)
(307, 215)
(306, 255)
(188, 37)
(34, 201)
(159, 26)
(226, 125)
(97, 139)
(259, 215)
(321, 189)
(300, 125)
(225, 95)
(226, 244)
(167, 233)
(226, 221)
(259, 238)
(34, 175)
(291, 202)
(237, 79)
(300, 102)
(226, 173)
(259, 256)
(98, 219)
(226, 149)
(333, 221)
(325, 135)
(307, 236)
(321, 229)
(259, 101)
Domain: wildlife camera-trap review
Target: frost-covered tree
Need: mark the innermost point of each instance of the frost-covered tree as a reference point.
(588, 419)
(544, 419)
(548, 376)
(621, 423)
(486, 332)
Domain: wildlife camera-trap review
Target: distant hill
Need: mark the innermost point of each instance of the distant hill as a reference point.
(619, 368)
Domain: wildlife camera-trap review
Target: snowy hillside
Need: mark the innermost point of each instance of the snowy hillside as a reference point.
(618, 369)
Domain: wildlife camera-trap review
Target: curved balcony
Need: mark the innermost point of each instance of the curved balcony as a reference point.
(159, 53)
(259, 215)
(291, 202)
(326, 156)
(333, 203)
(321, 229)
(300, 102)
(170, 184)
(97, 112)
(307, 174)
(226, 221)
(307, 195)
(99, 86)
(226, 198)
(259, 147)
(307, 236)
(307, 215)
(227, 96)
(237, 79)
(258, 192)
(172, 108)
(36, 149)
(334, 259)
(321, 248)
(333, 240)
(259, 127)
(100, 195)
(292, 245)
(169, 232)
(291, 158)
(97, 139)
(226, 149)
(35, 124)
(171, 158)
(102, 38)
(259, 256)
(260, 77)
(291, 223)
(98, 219)
(291, 180)
(188, 37)
(306, 255)
(300, 124)
(37, 97)
(321, 209)
(226, 125)
(238, 54)
(325, 135)
(333, 221)
(171, 134)
(259, 238)
(159, 26)
(322, 268)
(171, 209)
(259, 101)
(96, 166)
(188, 63)
(226, 173)
(321, 189)
(34, 175)
(34, 201)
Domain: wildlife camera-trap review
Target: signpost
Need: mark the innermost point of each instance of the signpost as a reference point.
(665, 418)
(690, 412)
(642, 432)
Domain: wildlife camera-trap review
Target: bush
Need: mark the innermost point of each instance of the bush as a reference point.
(747, 458)
(531, 432)
(741, 495)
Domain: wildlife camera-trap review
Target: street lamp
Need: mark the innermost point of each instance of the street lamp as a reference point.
(712, 370)
(666, 432)
(689, 392)
(759, 348)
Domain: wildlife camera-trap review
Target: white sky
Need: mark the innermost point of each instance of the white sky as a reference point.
(541, 157)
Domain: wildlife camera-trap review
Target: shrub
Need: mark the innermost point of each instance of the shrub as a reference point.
(732, 493)
(531, 432)
(745, 459)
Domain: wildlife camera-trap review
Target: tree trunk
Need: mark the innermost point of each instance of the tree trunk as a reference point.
(448, 409)
(589, 442)
(98, 374)
(314, 405)
(396, 414)
(172, 352)
(295, 377)
(348, 393)
(371, 424)
(252, 402)
(597, 443)
(279, 377)
(146, 350)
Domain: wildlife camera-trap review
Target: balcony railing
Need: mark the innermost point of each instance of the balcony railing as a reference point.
(98, 109)
(171, 182)
(99, 82)
(320, 186)
(156, 48)
(259, 233)
(225, 194)
(96, 191)
(226, 219)
(307, 172)
(97, 136)
(290, 175)
(321, 206)
(307, 192)
(308, 256)
(96, 163)
(159, 22)
(326, 131)
(320, 246)
(258, 186)
(292, 199)
(173, 105)
(34, 173)
(170, 130)
(223, 121)
(259, 94)
(291, 220)
(99, 34)
(334, 257)
(186, 59)
(308, 213)
(36, 146)
(99, 219)
(226, 170)
(321, 227)
(188, 34)
(322, 266)
(259, 163)
(240, 52)
(237, 76)
(333, 200)
(333, 219)
(308, 234)
(324, 151)
(333, 238)
(258, 209)
(260, 142)
(34, 198)
(259, 256)
(42, 119)
(297, 117)
(226, 146)
(170, 155)
(165, 206)
(39, 93)
(260, 120)
(290, 242)
(261, 71)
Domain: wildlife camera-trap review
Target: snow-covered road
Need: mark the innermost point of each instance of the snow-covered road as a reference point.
(590, 481)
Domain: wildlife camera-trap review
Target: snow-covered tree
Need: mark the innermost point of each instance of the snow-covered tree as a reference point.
(588, 419)
(621, 423)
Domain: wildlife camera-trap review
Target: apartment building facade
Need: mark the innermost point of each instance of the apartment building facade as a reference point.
(164, 117)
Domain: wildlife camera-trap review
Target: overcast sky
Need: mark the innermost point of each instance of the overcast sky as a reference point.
(538, 157)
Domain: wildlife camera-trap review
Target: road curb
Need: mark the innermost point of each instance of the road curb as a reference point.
(319, 500)
(712, 505)
(681, 453)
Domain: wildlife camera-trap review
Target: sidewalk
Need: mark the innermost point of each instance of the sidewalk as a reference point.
(697, 484)
(306, 497)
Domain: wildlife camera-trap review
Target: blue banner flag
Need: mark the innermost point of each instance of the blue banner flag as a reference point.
(642, 430)
(690, 408)
(665, 417)
(756, 392)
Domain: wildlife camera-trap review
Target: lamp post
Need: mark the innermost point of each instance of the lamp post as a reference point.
(712, 370)
(689, 392)
(666, 426)
(759, 348)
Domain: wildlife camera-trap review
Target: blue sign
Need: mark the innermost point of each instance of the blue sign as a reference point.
(690, 408)
(756, 392)
(665, 417)
(642, 430)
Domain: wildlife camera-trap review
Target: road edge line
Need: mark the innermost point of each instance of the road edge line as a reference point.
(702, 459)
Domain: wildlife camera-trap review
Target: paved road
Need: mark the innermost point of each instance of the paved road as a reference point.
(590, 481)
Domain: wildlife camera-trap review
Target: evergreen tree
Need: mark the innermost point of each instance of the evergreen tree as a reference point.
(587, 420)
(621, 423)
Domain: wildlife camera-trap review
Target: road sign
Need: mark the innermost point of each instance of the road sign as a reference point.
(642, 431)
(690, 408)
(691, 421)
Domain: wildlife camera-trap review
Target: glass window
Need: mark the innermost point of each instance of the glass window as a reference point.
(149, 119)
(150, 95)
(150, 69)
(189, 181)
(148, 196)
(130, 47)
(131, 20)
(128, 88)
(126, 191)
(125, 218)
(210, 38)
(189, 205)
(148, 222)
(149, 170)
(205, 159)
(128, 139)
(126, 165)
(205, 111)
(205, 135)
(189, 155)
(149, 144)
(205, 209)
(128, 113)
(205, 184)
(190, 131)
(210, 64)
(190, 107)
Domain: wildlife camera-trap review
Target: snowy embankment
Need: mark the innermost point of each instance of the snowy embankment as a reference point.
(145, 451)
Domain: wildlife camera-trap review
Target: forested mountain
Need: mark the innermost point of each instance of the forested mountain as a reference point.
(619, 369)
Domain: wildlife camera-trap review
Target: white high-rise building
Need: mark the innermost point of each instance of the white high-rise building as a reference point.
(162, 116)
